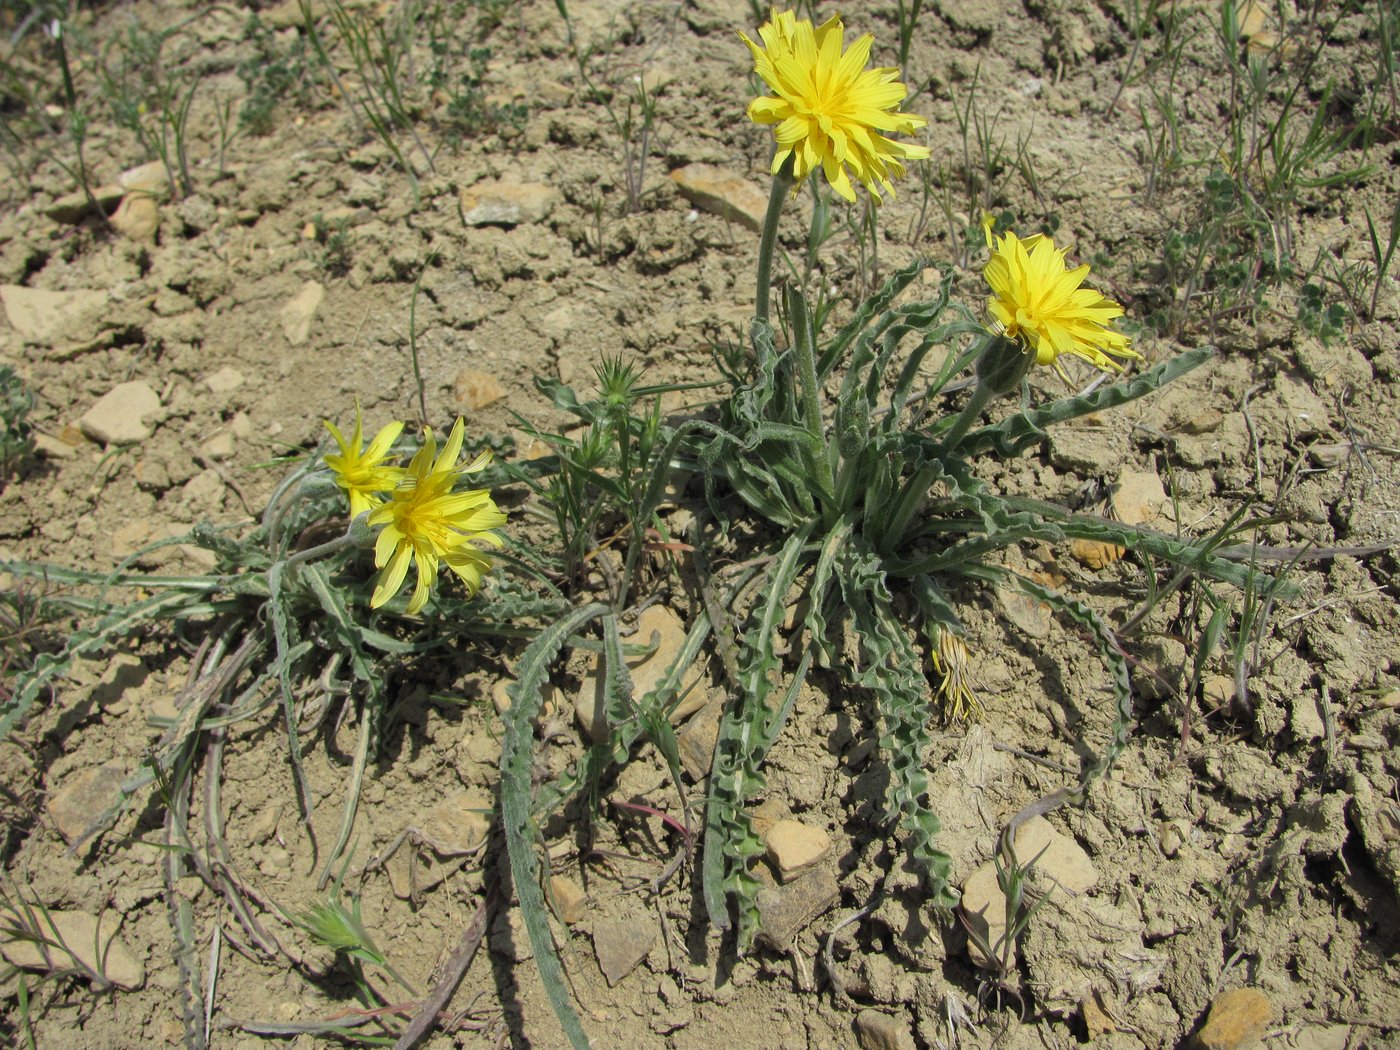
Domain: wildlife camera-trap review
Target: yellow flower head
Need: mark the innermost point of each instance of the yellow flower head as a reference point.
(425, 521)
(364, 474)
(830, 110)
(1037, 300)
(956, 693)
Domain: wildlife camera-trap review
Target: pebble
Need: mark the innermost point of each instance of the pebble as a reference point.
(83, 796)
(722, 193)
(119, 416)
(73, 207)
(299, 312)
(225, 381)
(507, 203)
(137, 218)
(1138, 498)
(93, 942)
(219, 447)
(620, 944)
(794, 847)
(697, 740)
(150, 179)
(880, 1031)
(42, 316)
(784, 910)
(646, 672)
(474, 389)
(567, 899)
(1236, 1020)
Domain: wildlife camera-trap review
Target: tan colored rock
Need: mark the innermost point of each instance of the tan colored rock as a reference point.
(298, 313)
(507, 203)
(722, 193)
(698, 739)
(74, 207)
(783, 911)
(149, 180)
(646, 671)
(876, 1030)
(225, 381)
(218, 447)
(1236, 1021)
(442, 839)
(83, 796)
(137, 218)
(1094, 554)
(794, 847)
(1138, 498)
(474, 389)
(567, 899)
(620, 944)
(43, 316)
(78, 941)
(119, 416)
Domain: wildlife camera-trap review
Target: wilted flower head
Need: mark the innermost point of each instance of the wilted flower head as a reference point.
(364, 474)
(830, 110)
(956, 694)
(1037, 300)
(425, 522)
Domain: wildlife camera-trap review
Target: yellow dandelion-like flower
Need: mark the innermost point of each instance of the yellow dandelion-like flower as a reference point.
(425, 522)
(1037, 300)
(364, 474)
(830, 110)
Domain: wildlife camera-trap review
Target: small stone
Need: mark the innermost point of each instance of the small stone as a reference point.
(1096, 1010)
(298, 313)
(1094, 554)
(474, 389)
(621, 944)
(1218, 691)
(150, 179)
(880, 1031)
(722, 193)
(43, 316)
(225, 381)
(567, 899)
(447, 834)
(51, 447)
(219, 447)
(783, 911)
(118, 417)
(698, 739)
(74, 207)
(77, 937)
(646, 671)
(1028, 614)
(507, 203)
(137, 218)
(1237, 1019)
(1138, 498)
(83, 797)
(984, 908)
(793, 847)
(264, 825)
(1172, 835)
(124, 673)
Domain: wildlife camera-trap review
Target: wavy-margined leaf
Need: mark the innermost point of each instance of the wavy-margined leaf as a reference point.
(517, 803)
(1015, 434)
(747, 730)
(892, 674)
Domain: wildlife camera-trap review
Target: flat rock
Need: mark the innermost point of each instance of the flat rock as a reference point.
(74, 207)
(82, 797)
(1236, 1021)
(1030, 615)
(447, 834)
(722, 193)
(225, 381)
(149, 179)
(474, 389)
(1138, 498)
(784, 910)
(794, 847)
(507, 203)
(1061, 863)
(296, 316)
(119, 416)
(79, 940)
(646, 670)
(620, 944)
(880, 1031)
(698, 738)
(43, 316)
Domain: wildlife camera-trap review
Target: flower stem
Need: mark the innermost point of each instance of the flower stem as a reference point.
(805, 346)
(782, 184)
(981, 394)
